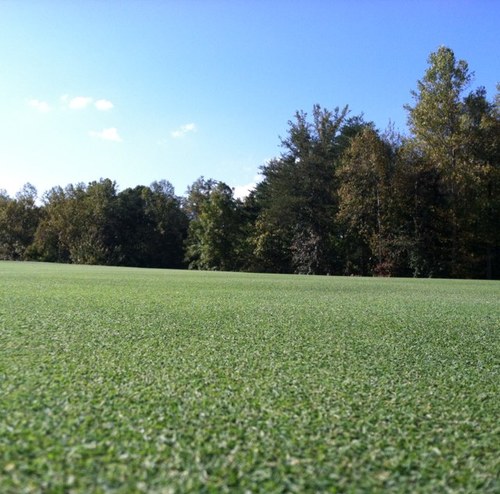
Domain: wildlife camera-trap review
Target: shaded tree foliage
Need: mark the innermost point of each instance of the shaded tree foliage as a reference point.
(18, 222)
(77, 224)
(366, 179)
(151, 226)
(215, 238)
(94, 224)
(296, 228)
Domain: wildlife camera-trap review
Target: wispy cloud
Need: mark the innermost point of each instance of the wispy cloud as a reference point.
(103, 105)
(79, 102)
(183, 130)
(110, 134)
(41, 106)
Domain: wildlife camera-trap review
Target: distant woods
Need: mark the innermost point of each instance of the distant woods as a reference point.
(343, 198)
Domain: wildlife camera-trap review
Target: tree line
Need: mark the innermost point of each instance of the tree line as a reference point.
(342, 198)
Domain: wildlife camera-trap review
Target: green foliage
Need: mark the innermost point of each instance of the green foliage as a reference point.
(151, 226)
(298, 196)
(18, 221)
(129, 380)
(458, 136)
(215, 229)
(366, 195)
(435, 118)
(422, 227)
(94, 224)
(77, 224)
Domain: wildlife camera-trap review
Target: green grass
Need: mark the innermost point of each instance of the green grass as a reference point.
(130, 380)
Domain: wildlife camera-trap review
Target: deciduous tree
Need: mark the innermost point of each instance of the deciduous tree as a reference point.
(215, 233)
(457, 135)
(19, 218)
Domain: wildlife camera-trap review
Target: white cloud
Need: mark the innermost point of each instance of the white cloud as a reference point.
(103, 105)
(110, 134)
(183, 130)
(80, 102)
(242, 191)
(41, 106)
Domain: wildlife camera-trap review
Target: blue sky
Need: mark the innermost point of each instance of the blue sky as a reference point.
(138, 91)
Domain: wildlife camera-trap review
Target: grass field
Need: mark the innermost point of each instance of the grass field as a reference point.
(131, 380)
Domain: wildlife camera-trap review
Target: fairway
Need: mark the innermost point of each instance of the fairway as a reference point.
(132, 380)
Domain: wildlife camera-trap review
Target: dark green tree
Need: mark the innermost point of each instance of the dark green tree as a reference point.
(421, 215)
(170, 224)
(297, 228)
(215, 231)
(481, 126)
(151, 227)
(97, 239)
(19, 219)
(134, 228)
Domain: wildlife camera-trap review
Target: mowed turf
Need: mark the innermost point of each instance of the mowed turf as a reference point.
(131, 380)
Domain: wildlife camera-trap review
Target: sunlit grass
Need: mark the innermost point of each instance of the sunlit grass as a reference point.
(130, 380)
